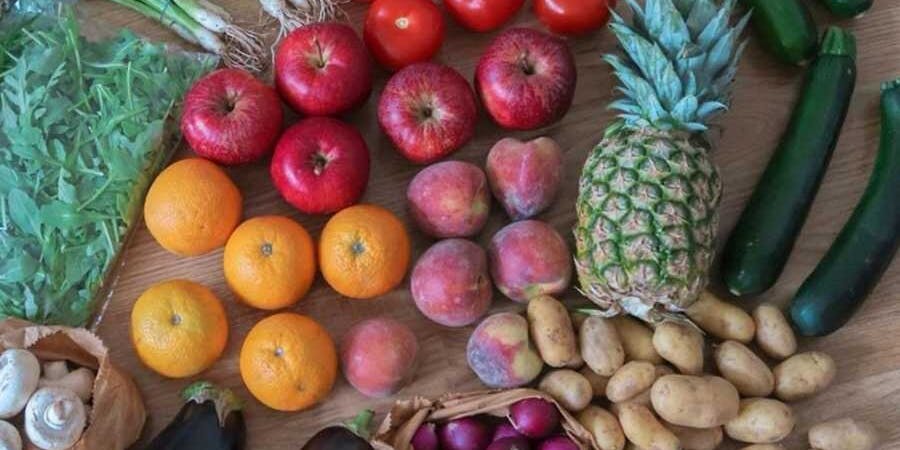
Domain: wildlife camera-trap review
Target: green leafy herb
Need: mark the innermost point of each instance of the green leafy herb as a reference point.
(82, 133)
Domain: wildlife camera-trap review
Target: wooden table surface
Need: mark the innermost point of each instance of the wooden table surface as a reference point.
(868, 381)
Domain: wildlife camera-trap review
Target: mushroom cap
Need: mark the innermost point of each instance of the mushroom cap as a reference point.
(54, 418)
(19, 373)
(9, 437)
(80, 381)
(54, 370)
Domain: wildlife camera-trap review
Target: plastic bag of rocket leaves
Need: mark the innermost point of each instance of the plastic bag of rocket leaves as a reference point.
(84, 128)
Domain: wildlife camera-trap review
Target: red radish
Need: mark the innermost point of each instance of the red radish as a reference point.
(510, 443)
(323, 69)
(426, 438)
(428, 111)
(505, 430)
(231, 117)
(465, 434)
(321, 165)
(536, 418)
(558, 443)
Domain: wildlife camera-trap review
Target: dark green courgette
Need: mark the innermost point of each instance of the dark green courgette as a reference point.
(761, 242)
(848, 8)
(786, 28)
(865, 247)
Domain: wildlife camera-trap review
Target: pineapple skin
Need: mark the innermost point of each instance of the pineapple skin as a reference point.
(647, 219)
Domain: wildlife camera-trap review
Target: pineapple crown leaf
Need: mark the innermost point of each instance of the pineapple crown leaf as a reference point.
(680, 57)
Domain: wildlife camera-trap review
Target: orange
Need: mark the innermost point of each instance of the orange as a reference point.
(270, 262)
(364, 251)
(192, 207)
(178, 328)
(288, 362)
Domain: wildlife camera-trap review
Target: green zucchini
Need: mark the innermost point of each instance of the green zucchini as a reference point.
(865, 247)
(760, 244)
(848, 8)
(786, 28)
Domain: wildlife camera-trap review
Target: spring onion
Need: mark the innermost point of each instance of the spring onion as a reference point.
(301, 12)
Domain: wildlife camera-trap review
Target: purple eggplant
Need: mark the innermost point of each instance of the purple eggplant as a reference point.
(350, 436)
(210, 419)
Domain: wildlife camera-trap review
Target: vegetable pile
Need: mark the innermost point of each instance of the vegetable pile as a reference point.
(82, 132)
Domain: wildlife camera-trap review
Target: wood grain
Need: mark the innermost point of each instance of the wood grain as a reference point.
(868, 382)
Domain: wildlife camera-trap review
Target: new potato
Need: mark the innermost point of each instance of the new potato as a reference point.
(843, 434)
(761, 421)
(552, 331)
(722, 319)
(697, 438)
(637, 340)
(643, 429)
(680, 344)
(696, 402)
(630, 380)
(803, 375)
(763, 447)
(742, 368)
(774, 335)
(568, 387)
(601, 347)
(598, 382)
(604, 428)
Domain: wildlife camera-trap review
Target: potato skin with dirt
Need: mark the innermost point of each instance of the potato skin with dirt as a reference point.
(722, 319)
(636, 339)
(552, 331)
(630, 380)
(601, 347)
(681, 345)
(761, 421)
(843, 434)
(644, 430)
(604, 427)
(803, 375)
(500, 352)
(742, 368)
(774, 334)
(378, 356)
(697, 438)
(696, 402)
(568, 387)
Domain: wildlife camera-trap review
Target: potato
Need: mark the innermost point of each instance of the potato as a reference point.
(803, 375)
(761, 421)
(604, 427)
(742, 368)
(843, 434)
(722, 319)
(600, 345)
(568, 387)
(643, 429)
(696, 438)
(696, 402)
(637, 340)
(598, 382)
(680, 344)
(643, 398)
(763, 447)
(578, 318)
(576, 363)
(774, 335)
(632, 379)
(551, 330)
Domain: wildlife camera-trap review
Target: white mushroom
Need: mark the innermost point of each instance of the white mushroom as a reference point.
(80, 381)
(9, 437)
(19, 373)
(54, 370)
(54, 418)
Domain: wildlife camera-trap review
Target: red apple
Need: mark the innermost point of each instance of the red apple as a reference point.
(526, 79)
(231, 117)
(323, 69)
(428, 111)
(525, 176)
(321, 165)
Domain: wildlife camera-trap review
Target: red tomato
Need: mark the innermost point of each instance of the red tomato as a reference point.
(402, 32)
(483, 15)
(573, 16)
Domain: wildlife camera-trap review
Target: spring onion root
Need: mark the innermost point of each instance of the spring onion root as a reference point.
(286, 17)
(302, 12)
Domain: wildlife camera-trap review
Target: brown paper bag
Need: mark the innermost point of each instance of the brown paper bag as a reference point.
(117, 412)
(397, 429)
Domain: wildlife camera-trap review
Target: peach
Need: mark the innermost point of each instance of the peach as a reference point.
(450, 283)
(501, 354)
(525, 176)
(449, 199)
(529, 258)
(378, 356)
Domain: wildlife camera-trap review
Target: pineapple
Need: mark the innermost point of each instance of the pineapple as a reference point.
(649, 192)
